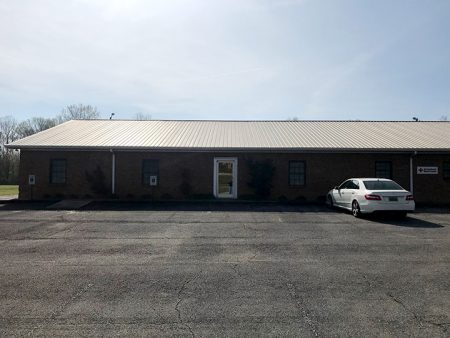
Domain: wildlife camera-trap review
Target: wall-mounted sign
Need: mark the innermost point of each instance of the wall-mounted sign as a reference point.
(427, 170)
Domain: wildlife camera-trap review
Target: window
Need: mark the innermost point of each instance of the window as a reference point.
(355, 185)
(383, 169)
(345, 185)
(149, 168)
(297, 173)
(446, 170)
(382, 185)
(58, 171)
(350, 184)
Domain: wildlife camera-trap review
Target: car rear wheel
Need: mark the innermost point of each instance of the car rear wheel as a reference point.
(356, 211)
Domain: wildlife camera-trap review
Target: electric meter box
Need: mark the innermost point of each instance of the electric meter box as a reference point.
(31, 179)
(153, 180)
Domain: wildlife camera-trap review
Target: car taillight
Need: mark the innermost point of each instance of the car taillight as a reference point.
(410, 198)
(372, 197)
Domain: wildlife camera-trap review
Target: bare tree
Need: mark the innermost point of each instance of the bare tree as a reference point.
(142, 117)
(9, 160)
(34, 125)
(78, 112)
(8, 133)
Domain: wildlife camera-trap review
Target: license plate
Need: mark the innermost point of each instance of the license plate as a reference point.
(393, 199)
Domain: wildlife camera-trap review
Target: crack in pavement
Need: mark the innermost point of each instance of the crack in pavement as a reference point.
(408, 310)
(180, 300)
(367, 280)
(247, 227)
(57, 312)
(398, 301)
(442, 326)
(416, 317)
(304, 312)
(236, 271)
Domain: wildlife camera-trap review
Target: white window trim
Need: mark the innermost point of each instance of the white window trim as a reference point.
(235, 171)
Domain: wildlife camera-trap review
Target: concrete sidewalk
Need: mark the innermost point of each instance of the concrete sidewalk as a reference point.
(69, 205)
(8, 197)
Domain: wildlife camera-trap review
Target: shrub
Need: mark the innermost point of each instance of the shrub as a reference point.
(300, 199)
(261, 174)
(282, 198)
(202, 197)
(185, 186)
(321, 199)
(249, 197)
(97, 182)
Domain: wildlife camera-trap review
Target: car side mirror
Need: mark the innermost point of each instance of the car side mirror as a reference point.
(336, 188)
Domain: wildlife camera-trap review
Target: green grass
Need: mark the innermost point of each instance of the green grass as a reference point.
(9, 190)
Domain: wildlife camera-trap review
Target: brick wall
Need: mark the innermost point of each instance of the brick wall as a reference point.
(76, 186)
(431, 188)
(323, 171)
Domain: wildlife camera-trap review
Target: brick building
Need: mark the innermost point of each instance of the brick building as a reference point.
(278, 160)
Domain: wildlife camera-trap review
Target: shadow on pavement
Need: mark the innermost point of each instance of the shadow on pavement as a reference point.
(19, 205)
(257, 206)
(409, 221)
(206, 206)
(397, 220)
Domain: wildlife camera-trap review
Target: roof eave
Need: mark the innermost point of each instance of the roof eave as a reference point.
(225, 149)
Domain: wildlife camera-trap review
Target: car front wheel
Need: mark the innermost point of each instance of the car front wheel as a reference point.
(356, 211)
(330, 201)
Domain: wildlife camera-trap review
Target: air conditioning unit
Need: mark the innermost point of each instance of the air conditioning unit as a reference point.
(153, 180)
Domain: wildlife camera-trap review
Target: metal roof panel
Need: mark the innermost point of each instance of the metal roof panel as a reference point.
(191, 135)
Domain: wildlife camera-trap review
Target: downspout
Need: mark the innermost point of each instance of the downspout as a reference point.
(411, 172)
(113, 172)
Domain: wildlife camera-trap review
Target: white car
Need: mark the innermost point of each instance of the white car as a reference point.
(366, 195)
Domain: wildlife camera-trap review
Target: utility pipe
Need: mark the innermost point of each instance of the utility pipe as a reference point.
(411, 172)
(113, 173)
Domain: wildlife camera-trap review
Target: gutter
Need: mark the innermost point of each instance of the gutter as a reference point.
(236, 150)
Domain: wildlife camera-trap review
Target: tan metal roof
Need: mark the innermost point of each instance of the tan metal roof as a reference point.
(244, 135)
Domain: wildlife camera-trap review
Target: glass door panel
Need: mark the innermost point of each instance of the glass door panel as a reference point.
(225, 179)
(225, 172)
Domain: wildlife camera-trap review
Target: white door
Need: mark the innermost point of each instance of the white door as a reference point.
(339, 194)
(225, 177)
(344, 195)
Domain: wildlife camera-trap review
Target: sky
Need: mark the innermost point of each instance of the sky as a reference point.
(227, 59)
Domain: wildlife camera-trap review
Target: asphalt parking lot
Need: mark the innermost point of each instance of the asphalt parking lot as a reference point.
(223, 273)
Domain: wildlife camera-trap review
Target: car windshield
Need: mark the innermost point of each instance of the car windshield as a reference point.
(381, 185)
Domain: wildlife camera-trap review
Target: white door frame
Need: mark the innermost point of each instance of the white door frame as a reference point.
(216, 172)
